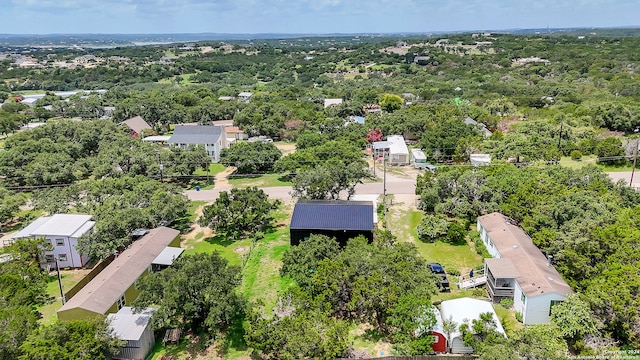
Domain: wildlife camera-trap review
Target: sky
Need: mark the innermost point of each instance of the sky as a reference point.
(306, 16)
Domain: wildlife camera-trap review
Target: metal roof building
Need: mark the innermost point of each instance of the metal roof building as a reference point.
(135, 329)
(335, 218)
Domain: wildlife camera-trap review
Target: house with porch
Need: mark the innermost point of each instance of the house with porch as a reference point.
(116, 286)
(60, 233)
(212, 138)
(519, 270)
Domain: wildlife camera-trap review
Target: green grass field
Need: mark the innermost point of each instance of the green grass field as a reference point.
(267, 180)
(69, 279)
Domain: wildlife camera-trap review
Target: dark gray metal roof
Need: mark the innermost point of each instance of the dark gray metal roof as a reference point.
(195, 135)
(333, 215)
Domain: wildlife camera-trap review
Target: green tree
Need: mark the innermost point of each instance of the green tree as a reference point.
(327, 181)
(574, 319)
(390, 102)
(239, 213)
(432, 227)
(251, 157)
(304, 334)
(300, 262)
(198, 292)
(78, 339)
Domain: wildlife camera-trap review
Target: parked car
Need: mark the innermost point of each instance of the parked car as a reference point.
(442, 281)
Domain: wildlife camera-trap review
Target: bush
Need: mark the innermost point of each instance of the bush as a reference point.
(576, 155)
(519, 316)
(432, 227)
(506, 303)
(454, 272)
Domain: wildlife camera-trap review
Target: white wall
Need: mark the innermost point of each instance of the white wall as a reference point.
(538, 307)
(69, 248)
(486, 240)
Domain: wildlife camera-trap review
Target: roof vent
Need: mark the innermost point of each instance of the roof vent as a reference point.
(508, 222)
(550, 278)
(549, 259)
(514, 246)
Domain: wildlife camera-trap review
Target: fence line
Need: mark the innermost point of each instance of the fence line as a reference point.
(85, 280)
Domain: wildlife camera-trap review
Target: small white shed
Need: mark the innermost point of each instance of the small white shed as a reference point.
(398, 151)
(465, 310)
(136, 330)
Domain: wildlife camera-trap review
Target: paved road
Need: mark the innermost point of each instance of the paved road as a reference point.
(395, 185)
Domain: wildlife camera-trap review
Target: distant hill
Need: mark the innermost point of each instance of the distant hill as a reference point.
(115, 40)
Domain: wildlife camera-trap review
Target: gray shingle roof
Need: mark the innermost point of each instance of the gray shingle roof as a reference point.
(333, 215)
(197, 135)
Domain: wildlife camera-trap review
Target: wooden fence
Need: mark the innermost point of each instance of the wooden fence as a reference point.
(85, 280)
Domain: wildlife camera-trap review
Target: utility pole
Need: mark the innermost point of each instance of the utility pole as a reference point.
(635, 159)
(60, 281)
(384, 188)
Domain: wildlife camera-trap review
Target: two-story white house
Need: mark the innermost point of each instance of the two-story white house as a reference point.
(213, 138)
(61, 233)
(519, 270)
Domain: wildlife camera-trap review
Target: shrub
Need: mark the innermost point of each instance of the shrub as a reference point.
(506, 303)
(519, 316)
(576, 155)
(454, 272)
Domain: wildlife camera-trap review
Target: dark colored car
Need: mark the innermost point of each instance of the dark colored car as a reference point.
(443, 282)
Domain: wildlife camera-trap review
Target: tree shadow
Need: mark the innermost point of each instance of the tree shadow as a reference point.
(373, 335)
(234, 337)
(219, 240)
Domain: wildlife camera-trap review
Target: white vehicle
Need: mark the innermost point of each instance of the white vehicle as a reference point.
(418, 159)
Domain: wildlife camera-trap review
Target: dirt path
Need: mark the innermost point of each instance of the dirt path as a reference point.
(222, 178)
(196, 229)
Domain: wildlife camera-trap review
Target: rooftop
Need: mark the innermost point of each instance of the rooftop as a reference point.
(199, 135)
(333, 215)
(74, 225)
(466, 310)
(535, 277)
(129, 326)
(104, 290)
(137, 124)
(397, 146)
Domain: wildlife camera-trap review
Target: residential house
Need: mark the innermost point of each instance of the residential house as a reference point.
(371, 109)
(465, 310)
(394, 148)
(341, 219)
(157, 139)
(61, 232)
(136, 126)
(135, 329)
(332, 102)
(116, 285)
(213, 138)
(480, 159)
(226, 98)
(421, 60)
(245, 96)
(480, 126)
(519, 270)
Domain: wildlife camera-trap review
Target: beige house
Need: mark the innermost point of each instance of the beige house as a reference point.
(116, 286)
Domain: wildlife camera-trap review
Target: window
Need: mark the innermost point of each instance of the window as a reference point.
(552, 304)
(523, 298)
(60, 242)
(49, 258)
(62, 257)
(121, 302)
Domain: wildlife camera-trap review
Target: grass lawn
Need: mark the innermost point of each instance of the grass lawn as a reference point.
(591, 160)
(213, 170)
(266, 180)
(403, 223)
(69, 279)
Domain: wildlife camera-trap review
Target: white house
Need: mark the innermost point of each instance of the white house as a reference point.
(465, 310)
(480, 159)
(135, 329)
(62, 232)
(519, 270)
(245, 96)
(332, 102)
(213, 138)
(398, 151)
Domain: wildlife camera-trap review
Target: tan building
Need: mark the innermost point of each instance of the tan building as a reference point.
(116, 286)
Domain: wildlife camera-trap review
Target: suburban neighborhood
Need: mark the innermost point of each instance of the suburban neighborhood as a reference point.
(321, 197)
